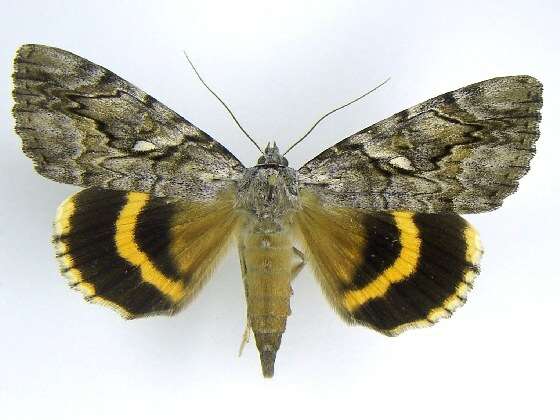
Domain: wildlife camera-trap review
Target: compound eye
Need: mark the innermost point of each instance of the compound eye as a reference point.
(261, 160)
(284, 161)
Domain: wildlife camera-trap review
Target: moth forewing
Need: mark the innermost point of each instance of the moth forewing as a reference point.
(461, 152)
(84, 125)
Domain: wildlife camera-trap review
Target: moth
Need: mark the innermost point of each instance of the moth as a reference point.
(376, 215)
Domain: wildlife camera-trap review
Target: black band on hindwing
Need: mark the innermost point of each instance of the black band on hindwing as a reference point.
(153, 235)
(381, 249)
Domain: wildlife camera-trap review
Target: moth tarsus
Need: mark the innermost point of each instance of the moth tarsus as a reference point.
(376, 215)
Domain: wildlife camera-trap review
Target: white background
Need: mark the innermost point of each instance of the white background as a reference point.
(280, 65)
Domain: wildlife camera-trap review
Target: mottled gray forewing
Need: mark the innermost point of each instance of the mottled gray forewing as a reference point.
(463, 152)
(84, 125)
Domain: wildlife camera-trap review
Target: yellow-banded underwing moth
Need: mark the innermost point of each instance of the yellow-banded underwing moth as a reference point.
(376, 215)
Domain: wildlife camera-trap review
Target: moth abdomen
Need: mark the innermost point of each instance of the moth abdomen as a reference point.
(267, 270)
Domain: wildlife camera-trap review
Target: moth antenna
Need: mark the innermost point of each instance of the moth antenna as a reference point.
(221, 101)
(332, 112)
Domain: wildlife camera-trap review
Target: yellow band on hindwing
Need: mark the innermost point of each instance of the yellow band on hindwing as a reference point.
(474, 248)
(128, 248)
(62, 227)
(402, 267)
(63, 215)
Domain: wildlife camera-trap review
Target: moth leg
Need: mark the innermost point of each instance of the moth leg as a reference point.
(300, 256)
(247, 333)
(246, 336)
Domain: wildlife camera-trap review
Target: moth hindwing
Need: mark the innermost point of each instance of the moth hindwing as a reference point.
(376, 215)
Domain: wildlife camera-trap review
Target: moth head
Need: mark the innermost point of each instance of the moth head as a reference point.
(272, 157)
